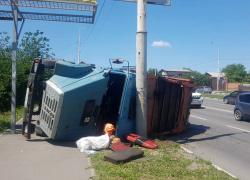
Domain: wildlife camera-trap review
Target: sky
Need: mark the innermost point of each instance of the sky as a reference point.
(178, 36)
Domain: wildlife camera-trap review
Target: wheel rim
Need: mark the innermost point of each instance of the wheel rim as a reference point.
(237, 114)
(226, 101)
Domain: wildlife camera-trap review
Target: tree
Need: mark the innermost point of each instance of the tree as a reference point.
(32, 45)
(151, 71)
(235, 73)
(200, 79)
(5, 46)
(248, 76)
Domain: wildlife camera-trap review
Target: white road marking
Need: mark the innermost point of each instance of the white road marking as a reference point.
(215, 99)
(238, 128)
(198, 117)
(220, 169)
(217, 103)
(218, 109)
(217, 167)
(185, 149)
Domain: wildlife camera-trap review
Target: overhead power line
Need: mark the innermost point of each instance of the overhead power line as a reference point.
(235, 59)
(101, 27)
(95, 22)
(216, 65)
(66, 47)
(202, 63)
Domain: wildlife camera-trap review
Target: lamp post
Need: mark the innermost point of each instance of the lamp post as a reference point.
(218, 67)
(79, 44)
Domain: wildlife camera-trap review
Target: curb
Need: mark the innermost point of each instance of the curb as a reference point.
(217, 167)
(92, 170)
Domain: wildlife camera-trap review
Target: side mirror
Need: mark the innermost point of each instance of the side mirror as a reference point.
(118, 61)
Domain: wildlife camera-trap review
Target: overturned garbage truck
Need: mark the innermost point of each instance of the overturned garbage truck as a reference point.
(79, 99)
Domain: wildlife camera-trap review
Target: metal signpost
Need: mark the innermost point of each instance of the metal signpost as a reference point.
(141, 63)
(16, 15)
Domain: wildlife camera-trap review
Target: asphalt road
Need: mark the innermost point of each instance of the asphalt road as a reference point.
(216, 136)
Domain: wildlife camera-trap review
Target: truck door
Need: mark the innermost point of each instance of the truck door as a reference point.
(126, 121)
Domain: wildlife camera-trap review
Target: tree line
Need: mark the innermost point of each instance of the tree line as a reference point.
(32, 45)
(235, 73)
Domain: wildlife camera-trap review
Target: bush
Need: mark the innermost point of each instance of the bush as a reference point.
(23, 68)
(33, 45)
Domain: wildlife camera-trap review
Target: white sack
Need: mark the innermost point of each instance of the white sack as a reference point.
(93, 143)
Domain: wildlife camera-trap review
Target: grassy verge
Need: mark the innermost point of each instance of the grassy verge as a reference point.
(169, 161)
(213, 96)
(5, 118)
(227, 92)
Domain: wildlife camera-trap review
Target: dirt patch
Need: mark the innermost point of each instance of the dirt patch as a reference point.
(194, 166)
(186, 155)
(164, 143)
(156, 153)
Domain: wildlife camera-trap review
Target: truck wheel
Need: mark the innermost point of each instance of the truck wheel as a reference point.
(198, 106)
(39, 131)
(237, 115)
(48, 63)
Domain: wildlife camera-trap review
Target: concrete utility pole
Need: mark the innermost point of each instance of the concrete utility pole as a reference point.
(79, 44)
(218, 70)
(14, 59)
(218, 67)
(141, 69)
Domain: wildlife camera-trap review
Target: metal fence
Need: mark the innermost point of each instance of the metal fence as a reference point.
(244, 87)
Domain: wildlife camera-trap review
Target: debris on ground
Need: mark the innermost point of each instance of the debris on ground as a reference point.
(119, 146)
(142, 141)
(93, 143)
(123, 156)
(109, 129)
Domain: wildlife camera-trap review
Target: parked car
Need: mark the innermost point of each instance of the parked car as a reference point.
(242, 107)
(231, 98)
(204, 89)
(197, 99)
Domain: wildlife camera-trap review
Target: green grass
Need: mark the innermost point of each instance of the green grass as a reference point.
(169, 161)
(227, 92)
(213, 96)
(5, 118)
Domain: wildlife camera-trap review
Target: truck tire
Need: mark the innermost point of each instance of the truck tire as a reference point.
(39, 131)
(48, 63)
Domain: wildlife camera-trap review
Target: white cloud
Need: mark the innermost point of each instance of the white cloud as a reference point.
(160, 44)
